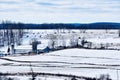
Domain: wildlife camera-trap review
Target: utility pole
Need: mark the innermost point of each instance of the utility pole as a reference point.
(117, 74)
(33, 75)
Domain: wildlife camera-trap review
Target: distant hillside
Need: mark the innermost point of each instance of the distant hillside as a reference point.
(99, 25)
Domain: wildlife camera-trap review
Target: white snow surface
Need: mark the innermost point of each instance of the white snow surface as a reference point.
(81, 62)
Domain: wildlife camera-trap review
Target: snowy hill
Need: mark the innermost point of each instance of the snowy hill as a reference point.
(81, 62)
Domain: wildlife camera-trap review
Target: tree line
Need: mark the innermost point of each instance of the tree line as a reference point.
(101, 25)
(9, 35)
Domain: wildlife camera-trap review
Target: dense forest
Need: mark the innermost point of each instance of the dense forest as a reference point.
(99, 25)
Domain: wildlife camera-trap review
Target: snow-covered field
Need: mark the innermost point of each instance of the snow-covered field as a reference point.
(79, 62)
(94, 36)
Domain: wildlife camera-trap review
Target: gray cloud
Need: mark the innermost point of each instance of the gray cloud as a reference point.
(46, 4)
(8, 2)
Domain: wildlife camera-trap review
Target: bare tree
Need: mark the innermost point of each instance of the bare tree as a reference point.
(73, 41)
(104, 77)
(118, 33)
(52, 41)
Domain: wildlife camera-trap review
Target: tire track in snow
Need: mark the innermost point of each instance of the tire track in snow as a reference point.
(86, 57)
(105, 66)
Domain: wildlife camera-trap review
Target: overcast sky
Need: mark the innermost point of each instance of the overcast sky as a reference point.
(60, 11)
